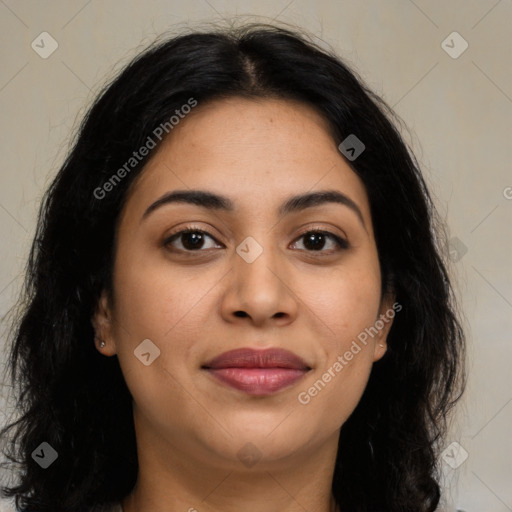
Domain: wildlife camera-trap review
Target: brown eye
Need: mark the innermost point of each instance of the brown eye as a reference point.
(191, 239)
(316, 240)
(194, 240)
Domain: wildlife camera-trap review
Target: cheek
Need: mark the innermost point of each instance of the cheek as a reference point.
(348, 305)
(331, 398)
(346, 300)
(152, 299)
(334, 390)
(168, 306)
(154, 304)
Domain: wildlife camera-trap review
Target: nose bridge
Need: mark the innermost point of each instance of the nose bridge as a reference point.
(254, 261)
(259, 287)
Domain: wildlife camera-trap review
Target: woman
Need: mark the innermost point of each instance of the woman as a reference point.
(235, 298)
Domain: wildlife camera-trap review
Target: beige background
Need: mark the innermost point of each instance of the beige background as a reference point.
(459, 111)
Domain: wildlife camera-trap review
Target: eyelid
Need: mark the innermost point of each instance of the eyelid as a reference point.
(187, 229)
(320, 229)
(340, 241)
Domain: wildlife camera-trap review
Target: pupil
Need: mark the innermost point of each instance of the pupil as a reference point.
(197, 240)
(193, 240)
(310, 240)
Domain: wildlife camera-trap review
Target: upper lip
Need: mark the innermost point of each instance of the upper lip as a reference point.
(257, 358)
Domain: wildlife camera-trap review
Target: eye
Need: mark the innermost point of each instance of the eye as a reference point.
(191, 239)
(315, 241)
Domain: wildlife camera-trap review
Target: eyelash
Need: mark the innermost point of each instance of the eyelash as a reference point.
(340, 242)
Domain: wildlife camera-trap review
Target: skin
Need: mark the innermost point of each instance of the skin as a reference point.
(189, 426)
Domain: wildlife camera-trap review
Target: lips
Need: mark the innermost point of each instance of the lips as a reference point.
(250, 358)
(257, 372)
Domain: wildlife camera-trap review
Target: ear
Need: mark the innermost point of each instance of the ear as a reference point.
(103, 329)
(383, 323)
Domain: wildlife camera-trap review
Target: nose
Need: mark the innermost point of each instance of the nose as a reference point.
(260, 292)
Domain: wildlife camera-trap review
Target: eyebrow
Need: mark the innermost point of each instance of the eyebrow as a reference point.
(212, 201)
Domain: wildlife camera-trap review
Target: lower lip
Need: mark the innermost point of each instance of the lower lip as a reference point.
(258, 381)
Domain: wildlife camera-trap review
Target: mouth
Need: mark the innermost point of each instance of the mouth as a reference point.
(257, 372)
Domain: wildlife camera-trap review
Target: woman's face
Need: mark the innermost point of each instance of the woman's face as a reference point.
(256, 278)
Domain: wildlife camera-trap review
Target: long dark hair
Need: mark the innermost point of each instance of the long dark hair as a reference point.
(75, 399)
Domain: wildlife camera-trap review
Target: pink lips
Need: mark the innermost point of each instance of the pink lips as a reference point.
(257, 372)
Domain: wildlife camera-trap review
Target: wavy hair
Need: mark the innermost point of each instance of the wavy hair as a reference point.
(72, 397)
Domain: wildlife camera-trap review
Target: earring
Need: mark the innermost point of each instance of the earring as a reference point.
(381, 345)
(102, 344)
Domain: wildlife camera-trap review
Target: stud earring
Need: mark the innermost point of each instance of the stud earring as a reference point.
(381, 345)
(102, 344)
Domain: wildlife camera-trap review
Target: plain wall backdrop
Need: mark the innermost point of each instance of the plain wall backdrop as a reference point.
(456, 101)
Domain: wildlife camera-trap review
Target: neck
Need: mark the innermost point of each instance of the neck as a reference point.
(232, 494)
(186, 478)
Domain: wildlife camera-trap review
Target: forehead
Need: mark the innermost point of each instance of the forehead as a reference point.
(237, 128)
(254, 151)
